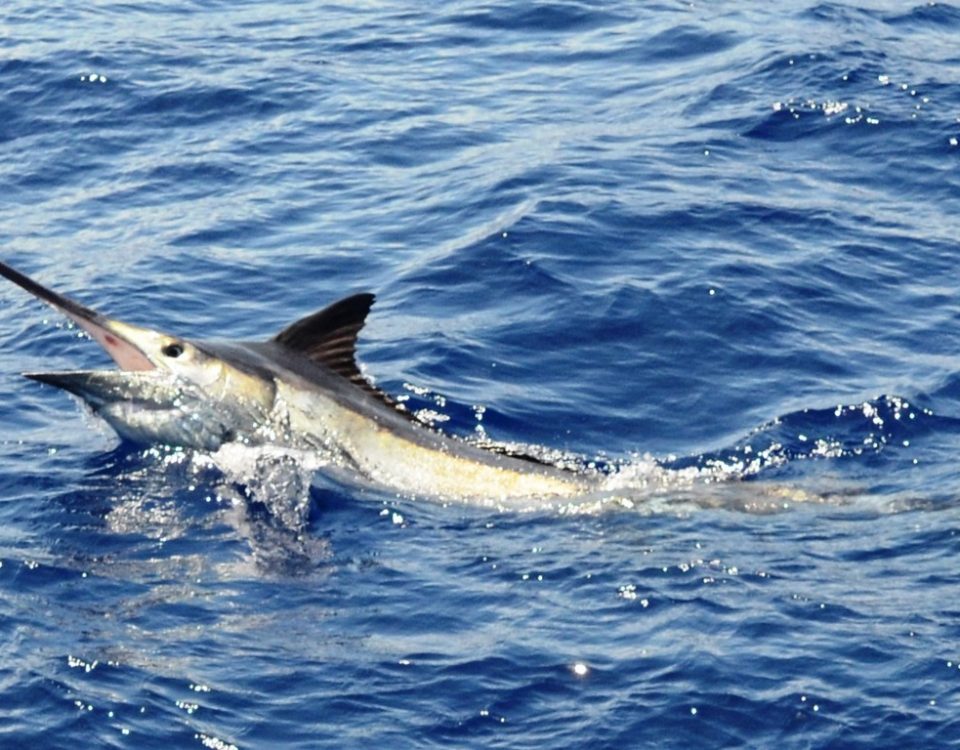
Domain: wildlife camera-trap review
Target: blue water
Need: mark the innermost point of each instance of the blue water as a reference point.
(712, 244)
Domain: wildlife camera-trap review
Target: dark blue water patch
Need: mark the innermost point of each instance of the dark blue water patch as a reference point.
(378, 37)
(869, 113)
(788, 124)
(250, 230)
(471, 267)
(196, 105)
(685, 41)
(946, 399)
(933, 543)
(32, 98)
(186, 181)
(62, 86)
(936, 15)
(726, 222)
(199, 171)
(725, 96)
(48, 16)
(215, 304)
(426, 144)
(837, 14)
(853, 430)
(544, 17)
(25, 728)
(20, 66)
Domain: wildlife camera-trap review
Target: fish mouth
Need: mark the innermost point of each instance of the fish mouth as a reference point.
(118, 339)
(101, 387)
(144, 407)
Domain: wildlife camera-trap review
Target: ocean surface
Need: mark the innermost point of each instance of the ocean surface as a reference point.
(712, 246)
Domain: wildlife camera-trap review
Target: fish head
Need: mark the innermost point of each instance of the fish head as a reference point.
(168, 389)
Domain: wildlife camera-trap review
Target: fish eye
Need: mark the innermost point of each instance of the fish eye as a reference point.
(172, 350)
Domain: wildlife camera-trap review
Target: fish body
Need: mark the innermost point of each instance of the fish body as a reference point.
(300, 389)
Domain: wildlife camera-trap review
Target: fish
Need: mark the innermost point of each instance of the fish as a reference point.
(300, 389)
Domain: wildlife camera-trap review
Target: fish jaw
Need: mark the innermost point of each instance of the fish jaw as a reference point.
(149, 407)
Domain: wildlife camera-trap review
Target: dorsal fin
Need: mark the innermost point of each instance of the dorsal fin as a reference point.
(329, 337)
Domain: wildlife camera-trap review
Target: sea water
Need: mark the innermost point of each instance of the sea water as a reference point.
(710, 247)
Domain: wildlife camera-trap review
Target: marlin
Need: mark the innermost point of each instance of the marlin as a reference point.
(300, 389)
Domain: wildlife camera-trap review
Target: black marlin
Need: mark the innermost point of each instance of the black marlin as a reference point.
(301, 389)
